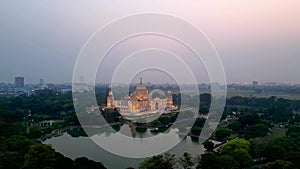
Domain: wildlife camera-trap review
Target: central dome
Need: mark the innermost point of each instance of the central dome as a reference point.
(141, 92)
(141, 86)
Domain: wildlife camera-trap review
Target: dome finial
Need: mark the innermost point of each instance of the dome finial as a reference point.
(141, 81)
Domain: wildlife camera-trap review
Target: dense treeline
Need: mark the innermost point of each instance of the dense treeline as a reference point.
(247, 123)
(262, 133)
(273, 109)
(274, 153)
(18, 118)
(269, 89)
(20, 152)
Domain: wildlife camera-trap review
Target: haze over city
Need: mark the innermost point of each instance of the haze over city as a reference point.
(255, 40)
(160, 84)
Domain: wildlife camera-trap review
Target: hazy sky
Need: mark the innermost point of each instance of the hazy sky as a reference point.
(256, 39)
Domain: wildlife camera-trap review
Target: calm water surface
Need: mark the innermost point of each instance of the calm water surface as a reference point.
(85, 147)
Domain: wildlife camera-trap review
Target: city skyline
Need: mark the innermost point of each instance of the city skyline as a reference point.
(136, 82)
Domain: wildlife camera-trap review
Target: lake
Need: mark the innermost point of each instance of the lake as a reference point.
(84, 147)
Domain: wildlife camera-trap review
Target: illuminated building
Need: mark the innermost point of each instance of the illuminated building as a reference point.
(141, 101)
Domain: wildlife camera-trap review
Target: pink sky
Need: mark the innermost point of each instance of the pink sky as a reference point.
(248, 34)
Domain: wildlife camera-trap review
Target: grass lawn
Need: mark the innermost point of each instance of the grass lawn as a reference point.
(278, 132)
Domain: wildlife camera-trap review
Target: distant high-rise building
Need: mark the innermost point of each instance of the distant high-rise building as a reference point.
(42, 82)
(255, 83)
(19, 82)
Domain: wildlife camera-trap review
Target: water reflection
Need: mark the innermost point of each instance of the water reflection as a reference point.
(83, 146)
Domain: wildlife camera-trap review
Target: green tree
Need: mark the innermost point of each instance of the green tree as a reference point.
(165, 120)
(248, 119)
(34, 132)
(40, 156)
(63, 162)
(242, 157)
(293, 132)
(209, 145)
(186, 161)
(273, 152)
(200, 122)
(278, 164)
(209, 161)
(239, 150)
(155, 123)
(257, 130)
(235, 144)
(256, 148)
(222, 133)
(228, 162)
(157, 162)
(18, 144)
(84, 163)
(235, 126)
(293, 157)
(10, 160)
(170, 160)
(196, 130)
